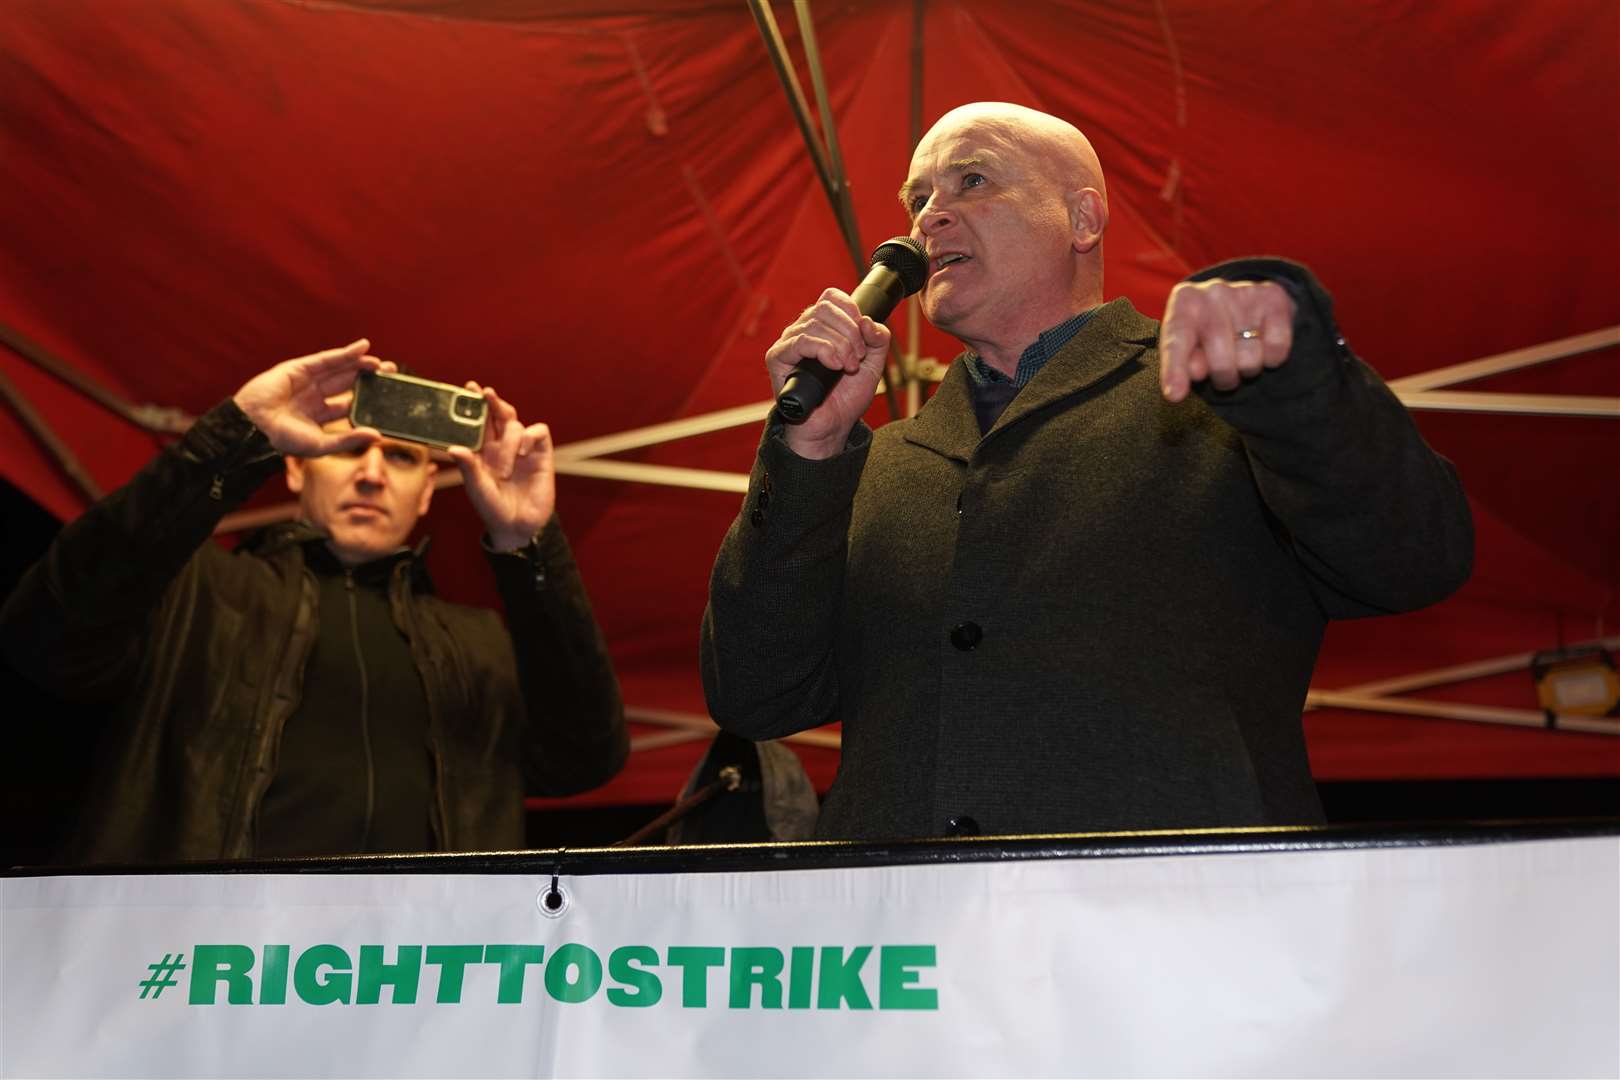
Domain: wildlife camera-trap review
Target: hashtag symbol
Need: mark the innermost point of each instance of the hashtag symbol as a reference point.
(162, 975)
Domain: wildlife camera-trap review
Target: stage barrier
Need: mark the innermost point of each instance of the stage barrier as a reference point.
(1490, 950)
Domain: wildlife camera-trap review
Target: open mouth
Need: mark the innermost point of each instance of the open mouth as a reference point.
(950, 258)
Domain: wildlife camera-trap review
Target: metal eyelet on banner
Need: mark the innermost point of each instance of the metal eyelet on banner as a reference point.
(553, 900)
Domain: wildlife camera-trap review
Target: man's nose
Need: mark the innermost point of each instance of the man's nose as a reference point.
(371, 469)
(935, 217)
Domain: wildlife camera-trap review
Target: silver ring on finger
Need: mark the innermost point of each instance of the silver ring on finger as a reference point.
(1248, 334)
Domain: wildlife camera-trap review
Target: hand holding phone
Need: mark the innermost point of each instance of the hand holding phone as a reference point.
(419, 410)
(512, 480)
(293, 401)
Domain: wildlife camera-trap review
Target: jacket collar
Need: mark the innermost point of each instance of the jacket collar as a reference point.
(1116, 335)
(287, 536)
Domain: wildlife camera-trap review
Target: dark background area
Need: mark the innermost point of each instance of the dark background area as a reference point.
(49, 742)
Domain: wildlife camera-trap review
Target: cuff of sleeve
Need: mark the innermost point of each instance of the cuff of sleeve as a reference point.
(538, 560)
(797, 492)
(225, 441)
(225, 431)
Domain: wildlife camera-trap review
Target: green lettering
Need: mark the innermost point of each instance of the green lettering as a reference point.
(761, 967)
(514, 961)
(314, 989)
(273, 976)
(695, 962)
(641, 987)
(403, 975)
(452, 961)
(573, 957)
(897, 966)
(841, 978)
(800, 973)
(212, 963)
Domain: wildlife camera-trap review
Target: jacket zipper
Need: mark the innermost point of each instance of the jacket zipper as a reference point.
(274, 718)
(365, 712)
(405, 617)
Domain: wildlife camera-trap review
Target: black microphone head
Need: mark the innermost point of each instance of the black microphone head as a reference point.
(906, 258)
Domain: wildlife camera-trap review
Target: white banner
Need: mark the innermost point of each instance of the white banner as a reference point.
(1490, 960)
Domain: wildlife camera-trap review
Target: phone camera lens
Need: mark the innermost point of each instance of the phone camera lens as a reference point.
(469, 408)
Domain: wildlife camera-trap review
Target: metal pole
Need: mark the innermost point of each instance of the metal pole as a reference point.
(829, 165)
(730, 779)
(777, 49)
(161, 419)
(41, 430)
(843, 206)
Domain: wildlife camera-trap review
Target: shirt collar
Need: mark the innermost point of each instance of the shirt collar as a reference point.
(1034, 358)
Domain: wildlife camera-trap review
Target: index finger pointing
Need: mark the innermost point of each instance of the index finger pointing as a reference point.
(1173, 379)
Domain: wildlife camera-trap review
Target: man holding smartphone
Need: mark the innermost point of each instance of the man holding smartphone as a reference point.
(308, 694)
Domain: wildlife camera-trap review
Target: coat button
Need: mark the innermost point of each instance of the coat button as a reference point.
(961, 825)
(758, 518)
(764, 499)
(966, 636)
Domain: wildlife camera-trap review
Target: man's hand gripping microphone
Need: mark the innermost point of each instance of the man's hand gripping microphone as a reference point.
(899, 268)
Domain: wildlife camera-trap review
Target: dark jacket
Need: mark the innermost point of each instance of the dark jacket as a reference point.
(1103, 613)
(199, 655)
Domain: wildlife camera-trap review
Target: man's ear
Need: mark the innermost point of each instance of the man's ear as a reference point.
(427, 489)
(1088, 218)
(295, 474)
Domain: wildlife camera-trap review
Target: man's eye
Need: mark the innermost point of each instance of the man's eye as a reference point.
(972, 179)
(917, 203)
(402, 457)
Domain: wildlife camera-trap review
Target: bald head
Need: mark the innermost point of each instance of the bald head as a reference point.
(1063, 147)
(1010, 205)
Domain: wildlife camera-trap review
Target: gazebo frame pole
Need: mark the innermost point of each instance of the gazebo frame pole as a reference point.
(826, 157)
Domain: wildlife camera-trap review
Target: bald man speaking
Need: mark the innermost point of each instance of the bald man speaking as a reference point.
(1084, 588)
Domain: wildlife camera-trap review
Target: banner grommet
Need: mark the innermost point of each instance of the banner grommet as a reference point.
(553, 901)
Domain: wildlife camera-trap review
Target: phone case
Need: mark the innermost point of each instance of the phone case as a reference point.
(419, 410)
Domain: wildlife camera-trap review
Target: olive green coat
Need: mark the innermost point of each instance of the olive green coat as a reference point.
(1147, 586)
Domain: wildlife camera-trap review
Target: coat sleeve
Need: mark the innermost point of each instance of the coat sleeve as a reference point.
(770, 632)
(1377, 519)
(76, 622)
(574, 736)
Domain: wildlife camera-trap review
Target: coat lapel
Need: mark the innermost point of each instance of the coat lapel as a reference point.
(946, 424)
(1114, 336)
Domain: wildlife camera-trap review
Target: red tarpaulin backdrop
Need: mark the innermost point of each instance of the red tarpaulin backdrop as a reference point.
(606, 211)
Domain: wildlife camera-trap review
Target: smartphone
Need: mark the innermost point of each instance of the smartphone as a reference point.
(419, 410)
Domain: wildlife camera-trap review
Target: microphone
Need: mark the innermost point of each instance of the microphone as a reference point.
(899, 268)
